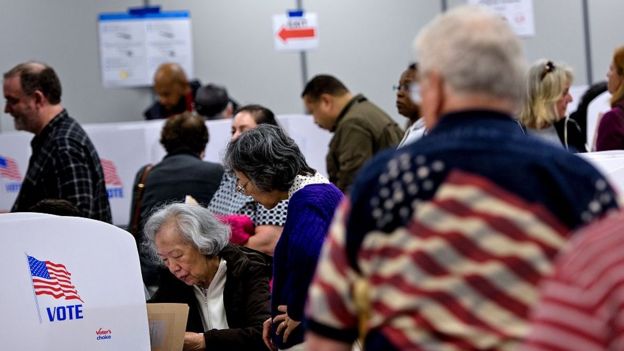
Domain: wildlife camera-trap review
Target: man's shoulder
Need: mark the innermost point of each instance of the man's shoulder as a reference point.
(192, 161)
(68, 134)
(366, 112)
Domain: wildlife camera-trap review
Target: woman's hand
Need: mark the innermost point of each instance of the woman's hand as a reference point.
(194, 341)
(266, 334)
(285, 323)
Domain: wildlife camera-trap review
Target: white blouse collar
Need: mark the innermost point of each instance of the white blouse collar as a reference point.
(302, 181)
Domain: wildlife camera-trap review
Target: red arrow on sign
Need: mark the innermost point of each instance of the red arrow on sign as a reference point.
(296, 33)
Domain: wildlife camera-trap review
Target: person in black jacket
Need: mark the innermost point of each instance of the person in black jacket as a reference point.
(181, 172)
(225, 286)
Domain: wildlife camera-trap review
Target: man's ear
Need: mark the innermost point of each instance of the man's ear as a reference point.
(435, 99)
(39, 98)
(326, 101)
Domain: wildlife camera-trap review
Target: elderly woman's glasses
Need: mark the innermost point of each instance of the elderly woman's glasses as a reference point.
(242, 188)
(549, 67)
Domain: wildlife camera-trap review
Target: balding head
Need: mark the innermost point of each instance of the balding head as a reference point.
(475, 54)
(37, 76)
(33, 95)
(170, 84)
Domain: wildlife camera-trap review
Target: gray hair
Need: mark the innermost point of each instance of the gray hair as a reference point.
(196, 224)
(268, 157)
(546, 83)
(475, 51)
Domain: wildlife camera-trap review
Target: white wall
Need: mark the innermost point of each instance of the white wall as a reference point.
(606, 34)
(63, 33)
(366, 43)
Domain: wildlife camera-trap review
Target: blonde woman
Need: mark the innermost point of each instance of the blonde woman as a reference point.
(544, 110)
(611, 128)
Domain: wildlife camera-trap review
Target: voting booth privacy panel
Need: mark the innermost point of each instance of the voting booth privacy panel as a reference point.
(125, 147)
(70, 284)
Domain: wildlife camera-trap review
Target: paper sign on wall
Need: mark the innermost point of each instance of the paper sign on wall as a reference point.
(133, 45)
(295, 31)
(519, 14)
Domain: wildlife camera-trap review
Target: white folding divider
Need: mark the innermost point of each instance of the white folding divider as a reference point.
(611, 164)
(125, 147)
(70, 284)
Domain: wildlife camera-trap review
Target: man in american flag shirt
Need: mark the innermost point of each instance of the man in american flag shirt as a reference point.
(442, 244)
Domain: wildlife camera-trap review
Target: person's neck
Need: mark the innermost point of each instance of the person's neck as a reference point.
(458, 103)
(477, 102)
(212, 263)
(46, 115)
(340, 102)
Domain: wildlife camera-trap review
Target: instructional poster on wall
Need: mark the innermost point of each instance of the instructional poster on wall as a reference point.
(132, 46)
(519, 14)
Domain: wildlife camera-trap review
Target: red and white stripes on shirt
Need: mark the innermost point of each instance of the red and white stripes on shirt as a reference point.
(581, 307)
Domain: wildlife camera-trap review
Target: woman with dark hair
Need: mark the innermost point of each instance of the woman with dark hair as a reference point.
(251, 116)
(611, 128)
(270, 168)
(261, 230)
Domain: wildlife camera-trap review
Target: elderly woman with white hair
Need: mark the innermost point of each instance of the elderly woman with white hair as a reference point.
(225, 286)
(545, 105)
(270, 167)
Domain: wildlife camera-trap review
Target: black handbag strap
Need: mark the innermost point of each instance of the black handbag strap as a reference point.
(140, 189)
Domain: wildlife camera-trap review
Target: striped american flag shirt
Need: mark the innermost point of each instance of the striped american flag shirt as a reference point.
(443, 243)
(582, 303)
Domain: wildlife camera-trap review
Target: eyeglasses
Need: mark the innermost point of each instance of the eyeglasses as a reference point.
(242, 188)
(413, 89)
(549, 67)
(401, 87)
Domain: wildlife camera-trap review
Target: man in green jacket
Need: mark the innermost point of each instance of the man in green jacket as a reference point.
(361, 129)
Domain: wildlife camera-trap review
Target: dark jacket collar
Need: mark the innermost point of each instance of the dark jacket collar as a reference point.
(182, 151)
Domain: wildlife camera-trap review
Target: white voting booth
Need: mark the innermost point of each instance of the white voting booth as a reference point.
(611, 164)
(70, 284)
(125, 147)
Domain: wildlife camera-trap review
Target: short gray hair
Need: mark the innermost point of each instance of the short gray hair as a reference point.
(268, 157)
(196, 224)
(475, 51)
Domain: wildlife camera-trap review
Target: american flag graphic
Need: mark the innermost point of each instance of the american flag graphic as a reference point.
(8, 169)
(462, 274)
(52, 279)
(110, 173)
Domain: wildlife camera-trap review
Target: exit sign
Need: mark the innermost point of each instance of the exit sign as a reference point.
(295, 31)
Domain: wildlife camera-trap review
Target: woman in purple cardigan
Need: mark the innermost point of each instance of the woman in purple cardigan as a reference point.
(270, 167)
(611, 128)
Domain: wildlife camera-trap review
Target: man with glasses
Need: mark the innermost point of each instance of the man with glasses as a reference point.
(443, 243)
(361, 129)
(408, 104)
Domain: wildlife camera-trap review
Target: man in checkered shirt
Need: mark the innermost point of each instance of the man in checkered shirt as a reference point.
(64, 163)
